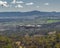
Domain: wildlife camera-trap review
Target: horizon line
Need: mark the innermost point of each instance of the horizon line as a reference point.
(30, 11)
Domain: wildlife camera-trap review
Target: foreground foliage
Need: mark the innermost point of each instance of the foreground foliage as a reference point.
(43, 41)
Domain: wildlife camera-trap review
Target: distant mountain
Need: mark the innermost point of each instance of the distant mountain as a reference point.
(30, 13)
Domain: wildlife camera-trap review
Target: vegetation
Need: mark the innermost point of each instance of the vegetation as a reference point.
(52, 21)
(51, 40)
(5, 42)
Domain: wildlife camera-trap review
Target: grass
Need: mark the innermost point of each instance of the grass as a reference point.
(52, 21)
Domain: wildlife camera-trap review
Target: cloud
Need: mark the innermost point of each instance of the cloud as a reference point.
(4, 3)
(37, 6)
(14, 1)
(19, 6)
(31, 3)
(19, 2)
(46, 3)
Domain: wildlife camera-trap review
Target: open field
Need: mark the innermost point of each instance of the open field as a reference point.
(52, 21)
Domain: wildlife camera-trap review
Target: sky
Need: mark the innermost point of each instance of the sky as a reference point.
(29, 5)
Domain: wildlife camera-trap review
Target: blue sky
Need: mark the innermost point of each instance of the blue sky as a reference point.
(29, 5)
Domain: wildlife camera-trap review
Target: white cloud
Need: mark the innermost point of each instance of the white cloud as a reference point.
(14, 1)
(19, 6)
(46, 3)
(19, 2)
(31, 3)
(4, 3)
(37, 6)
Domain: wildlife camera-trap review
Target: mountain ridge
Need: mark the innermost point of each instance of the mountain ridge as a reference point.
(30, 13)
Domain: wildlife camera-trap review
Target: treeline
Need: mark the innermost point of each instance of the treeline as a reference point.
(43, 41)
(5, 42)
(51, 40)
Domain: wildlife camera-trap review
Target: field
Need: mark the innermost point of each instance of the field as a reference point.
(52, 21)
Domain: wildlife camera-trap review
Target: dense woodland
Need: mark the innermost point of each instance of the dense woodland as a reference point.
(51, 40)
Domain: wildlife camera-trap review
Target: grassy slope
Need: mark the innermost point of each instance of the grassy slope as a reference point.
(52, 21)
